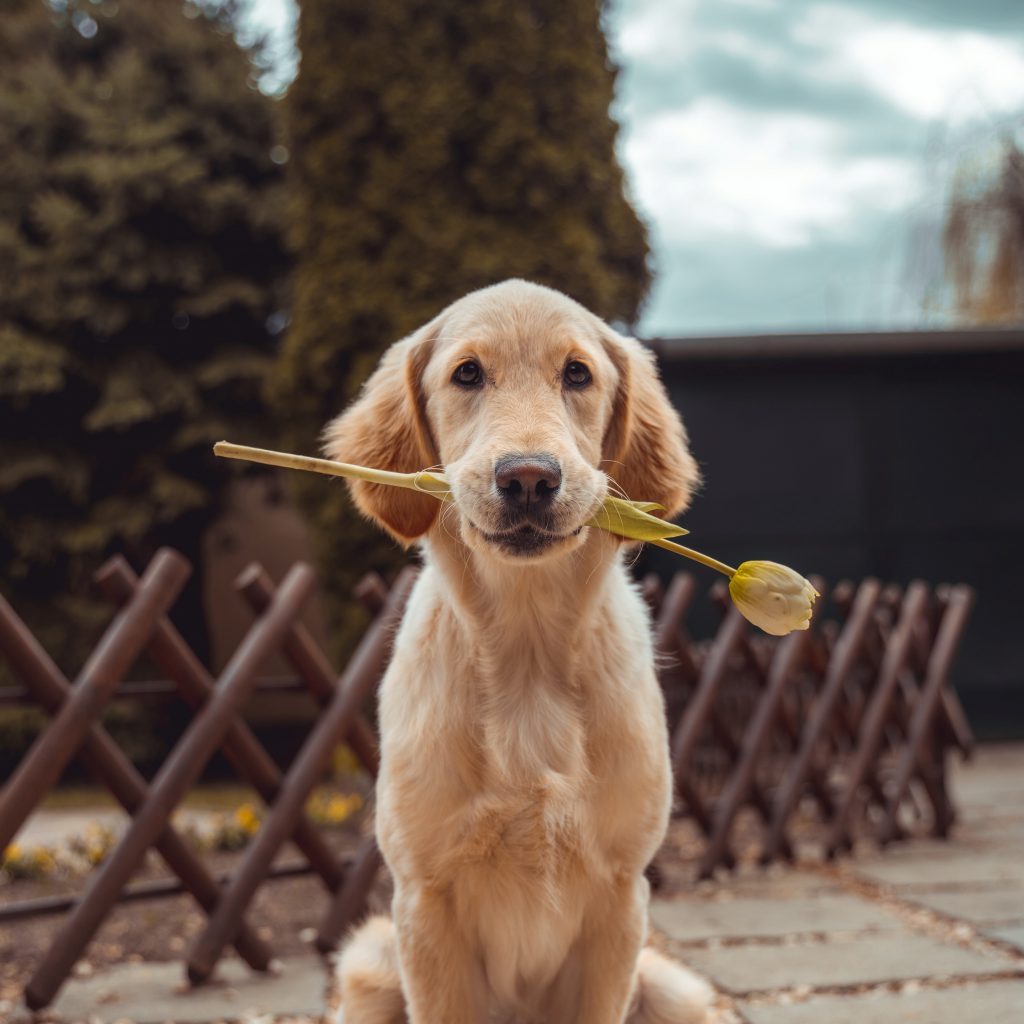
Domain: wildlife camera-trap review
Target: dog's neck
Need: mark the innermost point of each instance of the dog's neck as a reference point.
(536, 604)
(528, 629)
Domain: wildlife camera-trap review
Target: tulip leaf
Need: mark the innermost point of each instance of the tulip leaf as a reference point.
(632, 520)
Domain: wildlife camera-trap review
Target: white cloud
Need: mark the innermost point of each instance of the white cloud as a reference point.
(746, 46)
(277, 16)
(275, 19)
(719, 172)
(781, 180)
(659, 32)
(664, 34)
(950, 75)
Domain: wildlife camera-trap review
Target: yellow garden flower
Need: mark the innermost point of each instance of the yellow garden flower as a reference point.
(344, 761)
(773, 597)
(247, 819)
(28, 862)
(326, 808)
(769, 595)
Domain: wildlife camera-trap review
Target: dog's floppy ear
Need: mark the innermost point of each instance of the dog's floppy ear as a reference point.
(386, 428)
(646, 451)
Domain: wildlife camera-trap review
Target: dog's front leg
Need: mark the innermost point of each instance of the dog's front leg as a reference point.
(442, 976)
(612, 937)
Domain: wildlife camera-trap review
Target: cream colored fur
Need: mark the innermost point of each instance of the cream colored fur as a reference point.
(525, 780)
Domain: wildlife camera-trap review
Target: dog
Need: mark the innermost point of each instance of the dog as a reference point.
(525, 781)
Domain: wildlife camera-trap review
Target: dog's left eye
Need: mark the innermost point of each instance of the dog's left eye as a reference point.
(576, 375)
(468, 374)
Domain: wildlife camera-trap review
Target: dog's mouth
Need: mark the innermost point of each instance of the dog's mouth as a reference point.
(526, 539)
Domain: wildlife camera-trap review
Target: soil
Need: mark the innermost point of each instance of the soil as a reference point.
(285, 912)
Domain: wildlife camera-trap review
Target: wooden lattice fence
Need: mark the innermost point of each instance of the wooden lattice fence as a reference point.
(855, 714)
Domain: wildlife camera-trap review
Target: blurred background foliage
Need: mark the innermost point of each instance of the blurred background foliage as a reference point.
(142, 259)
(184, 257)
(162, 221)
(984, 240)
(436, 149)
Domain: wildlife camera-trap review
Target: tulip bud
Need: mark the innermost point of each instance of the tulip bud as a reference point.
(773, 597)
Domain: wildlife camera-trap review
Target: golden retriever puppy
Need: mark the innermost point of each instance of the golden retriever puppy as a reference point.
(525, 780)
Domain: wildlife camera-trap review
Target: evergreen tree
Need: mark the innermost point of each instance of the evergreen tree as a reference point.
(438, 148)
(140, 254)
(984, 243)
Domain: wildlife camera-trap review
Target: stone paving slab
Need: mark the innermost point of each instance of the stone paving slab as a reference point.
(1014, 934)
(1006, 832)
(151, 993)
(994, 1002)
(979, 906)
(690, 920)
(55, 827)
(935, 867)
(771, 883)
(841, 961)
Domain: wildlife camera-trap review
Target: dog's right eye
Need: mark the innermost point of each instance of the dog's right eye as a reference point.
(468, 374)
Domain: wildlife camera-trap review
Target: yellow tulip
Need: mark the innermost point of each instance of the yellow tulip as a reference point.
(769, 595)
(773, 597)
(247, 818)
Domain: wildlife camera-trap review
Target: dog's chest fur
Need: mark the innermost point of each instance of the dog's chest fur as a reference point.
(521, 776)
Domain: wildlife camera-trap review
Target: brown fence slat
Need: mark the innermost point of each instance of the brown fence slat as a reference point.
(873, 726)
(786, 661)
(844, 656)
(701, 706)
(927, 707)
(311, 663)
(158, 889)
(120, 645)
(350, 903)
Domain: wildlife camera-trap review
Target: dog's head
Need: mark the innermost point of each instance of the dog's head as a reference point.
(534, 407)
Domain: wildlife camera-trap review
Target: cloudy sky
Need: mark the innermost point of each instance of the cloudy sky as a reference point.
(793, 157)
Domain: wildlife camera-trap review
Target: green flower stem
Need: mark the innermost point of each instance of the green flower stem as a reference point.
(423, 481)
(639, 521)
(711, 563)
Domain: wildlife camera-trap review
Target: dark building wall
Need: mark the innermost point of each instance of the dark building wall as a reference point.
(898, 464)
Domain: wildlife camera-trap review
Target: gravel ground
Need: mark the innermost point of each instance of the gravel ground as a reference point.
(284, 912)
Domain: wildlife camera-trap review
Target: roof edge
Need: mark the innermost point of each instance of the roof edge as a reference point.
(836, 344)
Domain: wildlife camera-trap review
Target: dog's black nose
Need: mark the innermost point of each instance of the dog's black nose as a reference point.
(529, 481)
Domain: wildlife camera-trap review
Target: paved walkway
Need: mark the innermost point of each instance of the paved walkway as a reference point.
(929, 932)
(56, 827)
